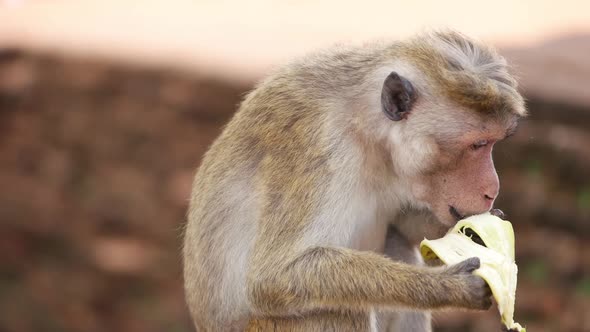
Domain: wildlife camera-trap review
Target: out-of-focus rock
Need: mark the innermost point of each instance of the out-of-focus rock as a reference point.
(123, 255)
(556, 70)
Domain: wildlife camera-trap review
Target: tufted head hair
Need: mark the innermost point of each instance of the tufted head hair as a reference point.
(468, 72)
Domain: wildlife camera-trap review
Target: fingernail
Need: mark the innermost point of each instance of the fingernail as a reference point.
(498, 213)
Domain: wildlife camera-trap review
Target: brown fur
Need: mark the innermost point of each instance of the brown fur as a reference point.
(488, 89)
(288, 216)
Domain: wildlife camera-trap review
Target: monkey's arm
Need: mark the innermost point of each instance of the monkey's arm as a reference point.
(324, 277)
(399, 248)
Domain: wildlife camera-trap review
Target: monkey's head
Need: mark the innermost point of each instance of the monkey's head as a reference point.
(447, 106)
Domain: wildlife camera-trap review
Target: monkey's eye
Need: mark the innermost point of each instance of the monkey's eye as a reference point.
(480, 144)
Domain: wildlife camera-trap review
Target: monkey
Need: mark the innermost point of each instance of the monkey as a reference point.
(306, 211)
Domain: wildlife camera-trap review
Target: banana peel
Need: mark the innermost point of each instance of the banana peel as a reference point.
(492, 240)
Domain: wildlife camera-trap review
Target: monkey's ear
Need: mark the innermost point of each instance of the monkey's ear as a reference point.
(397, 97)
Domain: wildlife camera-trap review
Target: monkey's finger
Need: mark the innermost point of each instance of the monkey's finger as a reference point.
(498, 213)
(471, 264)
(487, 303)
(505, 329)
(467, 266)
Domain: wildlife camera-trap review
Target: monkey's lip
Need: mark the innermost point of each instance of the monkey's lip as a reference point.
(455, 213)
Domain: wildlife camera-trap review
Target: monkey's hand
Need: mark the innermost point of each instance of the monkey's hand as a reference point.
(468, 290)
(491, 239)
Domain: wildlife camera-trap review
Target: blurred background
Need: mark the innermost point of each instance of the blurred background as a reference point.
(106, 108)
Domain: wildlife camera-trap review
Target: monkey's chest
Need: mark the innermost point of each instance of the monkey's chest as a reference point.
(369, 231)
(370, 236)
(354, 221)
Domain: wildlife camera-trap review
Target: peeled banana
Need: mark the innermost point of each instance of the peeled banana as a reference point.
(492, 240)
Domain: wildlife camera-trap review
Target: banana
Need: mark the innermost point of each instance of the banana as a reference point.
(492, 240)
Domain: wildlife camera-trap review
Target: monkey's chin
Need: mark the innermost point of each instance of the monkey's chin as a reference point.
(455, 214)
(447, 221)
(449, 217)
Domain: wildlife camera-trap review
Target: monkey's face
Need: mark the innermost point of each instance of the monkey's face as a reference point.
(443, 148)
(465, 182)
(461, 179)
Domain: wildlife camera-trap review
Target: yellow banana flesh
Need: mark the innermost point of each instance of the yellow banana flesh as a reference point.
(498, 267)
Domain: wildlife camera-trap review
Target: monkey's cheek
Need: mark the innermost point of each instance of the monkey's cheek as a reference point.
(425, 198)
(421, 191)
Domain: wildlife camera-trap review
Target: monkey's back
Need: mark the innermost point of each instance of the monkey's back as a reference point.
(278, 139)
(223, 213)
(219, 232)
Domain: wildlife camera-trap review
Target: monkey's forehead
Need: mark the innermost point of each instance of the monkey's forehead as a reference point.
(486, 96)
(469, 73)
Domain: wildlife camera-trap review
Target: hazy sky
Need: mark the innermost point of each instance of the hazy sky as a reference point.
(246, 37)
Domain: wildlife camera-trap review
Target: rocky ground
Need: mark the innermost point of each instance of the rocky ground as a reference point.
(96, 162)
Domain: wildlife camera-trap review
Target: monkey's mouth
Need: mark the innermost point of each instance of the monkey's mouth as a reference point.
(455, 213)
